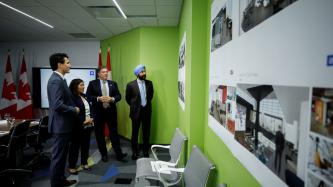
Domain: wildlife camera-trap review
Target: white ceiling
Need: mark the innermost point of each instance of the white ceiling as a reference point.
(83, 16)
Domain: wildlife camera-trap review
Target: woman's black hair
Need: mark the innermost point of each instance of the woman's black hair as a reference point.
(73, 86)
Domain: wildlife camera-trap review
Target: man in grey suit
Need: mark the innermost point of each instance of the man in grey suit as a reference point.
(62, 111)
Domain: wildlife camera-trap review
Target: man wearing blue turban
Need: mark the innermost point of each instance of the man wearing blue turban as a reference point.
(139, 94)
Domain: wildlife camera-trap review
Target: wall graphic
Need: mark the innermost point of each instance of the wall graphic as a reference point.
(222, 26)
(263, 103)
(222, 105)
(320, 155)
(253, 12)
(181, 73)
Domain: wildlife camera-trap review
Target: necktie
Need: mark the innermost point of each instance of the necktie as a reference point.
(105, 93)
(65, 82)
(143, 94)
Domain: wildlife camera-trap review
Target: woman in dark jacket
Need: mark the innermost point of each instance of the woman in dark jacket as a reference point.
(84, 127)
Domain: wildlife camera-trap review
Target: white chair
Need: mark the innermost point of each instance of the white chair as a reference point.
(195, 173)
(143, 165)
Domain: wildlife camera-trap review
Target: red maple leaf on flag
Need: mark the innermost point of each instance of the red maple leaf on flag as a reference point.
(10, 93)
(24, 93)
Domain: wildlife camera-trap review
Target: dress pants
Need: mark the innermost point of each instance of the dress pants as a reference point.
(106, 117)
(145, 120)
(80, 140)
(58, 160)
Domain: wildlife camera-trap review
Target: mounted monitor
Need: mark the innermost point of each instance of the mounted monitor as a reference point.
(41, 76)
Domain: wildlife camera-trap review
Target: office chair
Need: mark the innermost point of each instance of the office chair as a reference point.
(11, 157)
(41, 136)
(144, 168)
(195, 173)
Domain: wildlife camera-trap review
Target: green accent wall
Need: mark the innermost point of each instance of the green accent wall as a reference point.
(157, 49)
(195, 21)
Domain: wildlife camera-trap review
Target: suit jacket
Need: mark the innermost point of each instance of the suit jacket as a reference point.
(82, 115)
(62, 108)
(133, 97)
(94, 90)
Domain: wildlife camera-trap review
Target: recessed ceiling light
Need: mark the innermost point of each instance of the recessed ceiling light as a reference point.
(19, 11)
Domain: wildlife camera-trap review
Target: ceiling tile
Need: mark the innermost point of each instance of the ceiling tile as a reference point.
(39, 12)
(18, 3)
(105, 12)
(90, 25)
(114, 22)
(119, 30)
(139, 10)
(71, 16)
(66, 26)
(168, 11)
(139, 22)
(136, 2)
(167, 21)
(77, 12)
(102, 36)
(95, 2)
(61, 3)
(169, 2)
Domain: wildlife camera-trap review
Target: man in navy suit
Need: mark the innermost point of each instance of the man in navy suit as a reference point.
(104, 95)
(62, 112)
(139, 94)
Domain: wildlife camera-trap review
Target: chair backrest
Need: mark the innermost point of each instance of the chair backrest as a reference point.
(18, 137)
(197, 169)
(176, 146)
(43, 133)
(17, 141)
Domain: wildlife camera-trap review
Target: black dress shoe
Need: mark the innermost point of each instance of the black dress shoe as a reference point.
(135, 156)
(105, 158)
(68, 182)
(121, 156)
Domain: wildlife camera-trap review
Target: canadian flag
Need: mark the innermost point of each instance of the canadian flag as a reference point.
(100, 64)
(24, 105)
(108, 64)
(8, 100)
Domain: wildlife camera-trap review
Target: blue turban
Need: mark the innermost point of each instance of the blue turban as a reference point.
(138, 69)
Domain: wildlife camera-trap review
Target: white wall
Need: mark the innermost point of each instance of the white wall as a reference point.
(288, 49)
(82, 54)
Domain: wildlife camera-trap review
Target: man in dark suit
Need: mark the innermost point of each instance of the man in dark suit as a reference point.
(139, 94)
(279, 146)
(62, 111)
(104, 95)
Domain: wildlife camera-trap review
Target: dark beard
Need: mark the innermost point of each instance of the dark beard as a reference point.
(142, 77)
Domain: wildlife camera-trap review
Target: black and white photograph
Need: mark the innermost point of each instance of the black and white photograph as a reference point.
(222, 26)
(253, 12)
(181, 72)
(268, 125)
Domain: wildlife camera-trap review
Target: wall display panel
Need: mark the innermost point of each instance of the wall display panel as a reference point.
(253, 12)
(223, 106)
(273, 134)
(42, 75)
(320, 155)
(181, 72)
(222, 26)
(286, 60)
